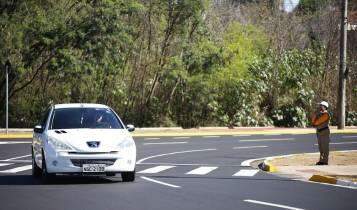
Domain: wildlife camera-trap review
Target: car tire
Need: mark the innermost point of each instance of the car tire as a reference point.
(36, 171)
(128, 176)
(47, 177)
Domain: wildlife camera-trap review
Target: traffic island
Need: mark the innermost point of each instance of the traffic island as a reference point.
(342, 168)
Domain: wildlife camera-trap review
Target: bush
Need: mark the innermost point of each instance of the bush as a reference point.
(351, 118)
(289, 116)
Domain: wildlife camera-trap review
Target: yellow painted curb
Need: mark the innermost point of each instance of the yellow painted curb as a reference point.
(16, 136)
(272, 168)
(191, 132)
(323, 179)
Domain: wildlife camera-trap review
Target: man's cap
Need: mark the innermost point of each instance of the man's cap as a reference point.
(324, 103)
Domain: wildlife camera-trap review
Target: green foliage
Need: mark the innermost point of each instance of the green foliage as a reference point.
(289, 116)
(158, 63)
(351, 118)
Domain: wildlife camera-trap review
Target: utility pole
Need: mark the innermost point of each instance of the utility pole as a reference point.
(341, 102)
(7, 66)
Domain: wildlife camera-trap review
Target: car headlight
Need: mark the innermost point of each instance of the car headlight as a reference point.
(58, 145)
(126, 143)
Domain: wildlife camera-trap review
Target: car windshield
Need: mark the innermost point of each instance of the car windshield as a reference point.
(97, 118)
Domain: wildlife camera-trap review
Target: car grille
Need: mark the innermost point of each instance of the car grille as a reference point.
(80, 162)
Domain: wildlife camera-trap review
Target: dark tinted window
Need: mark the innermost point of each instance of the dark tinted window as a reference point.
(100, 118)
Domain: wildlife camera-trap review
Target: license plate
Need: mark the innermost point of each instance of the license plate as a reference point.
(93, 167)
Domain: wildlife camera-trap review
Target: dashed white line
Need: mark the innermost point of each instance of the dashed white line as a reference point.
(257, 140)
(241, 135)
(165, 143)
(182, 137)
(172, 153)
(155, 169)
(202, 170)
(272, 204)
(244, 172)
(151, 138)
(250, 147)
(346, 137)
(15, 142)
(351, 142)
(211, 136)
(17, 169)
(159, 182)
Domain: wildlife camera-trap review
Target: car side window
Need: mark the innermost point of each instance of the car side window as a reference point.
(44, 119)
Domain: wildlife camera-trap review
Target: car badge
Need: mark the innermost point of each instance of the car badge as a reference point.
(93, 144)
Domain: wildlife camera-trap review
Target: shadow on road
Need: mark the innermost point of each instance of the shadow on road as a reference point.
(59, 180)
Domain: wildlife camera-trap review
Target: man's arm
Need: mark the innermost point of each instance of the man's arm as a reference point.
(322, 119)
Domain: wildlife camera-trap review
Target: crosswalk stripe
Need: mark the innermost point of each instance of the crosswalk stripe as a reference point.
(17, 169)
(201, 170)
(155, 169)
(246, 172)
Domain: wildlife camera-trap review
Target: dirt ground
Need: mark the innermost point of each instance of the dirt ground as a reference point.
(335, 158)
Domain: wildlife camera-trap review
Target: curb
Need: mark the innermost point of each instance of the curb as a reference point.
(268, 167)
(331, 180)
(169, 132)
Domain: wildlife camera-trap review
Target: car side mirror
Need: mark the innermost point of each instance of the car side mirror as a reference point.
(130, 128)
(38, 129)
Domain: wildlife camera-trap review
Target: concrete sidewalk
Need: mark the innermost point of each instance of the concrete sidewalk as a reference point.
(342, 168)
(203, 131)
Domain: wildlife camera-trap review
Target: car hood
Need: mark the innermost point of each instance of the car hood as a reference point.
(78, 138)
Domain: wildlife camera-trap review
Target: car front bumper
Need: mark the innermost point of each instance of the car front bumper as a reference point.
(67, 162)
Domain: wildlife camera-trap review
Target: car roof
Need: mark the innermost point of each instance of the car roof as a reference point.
(79, 105)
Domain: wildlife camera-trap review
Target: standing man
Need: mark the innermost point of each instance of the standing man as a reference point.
(320, 121)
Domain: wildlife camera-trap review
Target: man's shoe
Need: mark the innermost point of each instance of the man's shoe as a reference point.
(319, 163)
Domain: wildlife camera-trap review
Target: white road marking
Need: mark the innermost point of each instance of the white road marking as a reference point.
(257, 140)
(211, 136)
(349, 137)
(155, 169)
(159, 182)
(5, 164)
(165, 143)
(244, 172)
(181, 137)
(15, 142)
(202, 170)
(249, 147)
(243, 135)
(19, 157)
(173, 153)
(189, 164)
(272, 204)
(352, 142)
(17, 169)
(151, 138)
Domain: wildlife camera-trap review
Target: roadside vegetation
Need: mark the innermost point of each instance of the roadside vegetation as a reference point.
(186, 63)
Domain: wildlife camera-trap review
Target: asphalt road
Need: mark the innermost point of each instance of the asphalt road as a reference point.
(179, 173)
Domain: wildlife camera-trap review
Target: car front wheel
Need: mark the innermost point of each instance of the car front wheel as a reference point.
(36, 171)
(128, 176)
(47, 177)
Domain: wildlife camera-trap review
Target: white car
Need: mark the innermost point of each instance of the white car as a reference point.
(84, 139)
